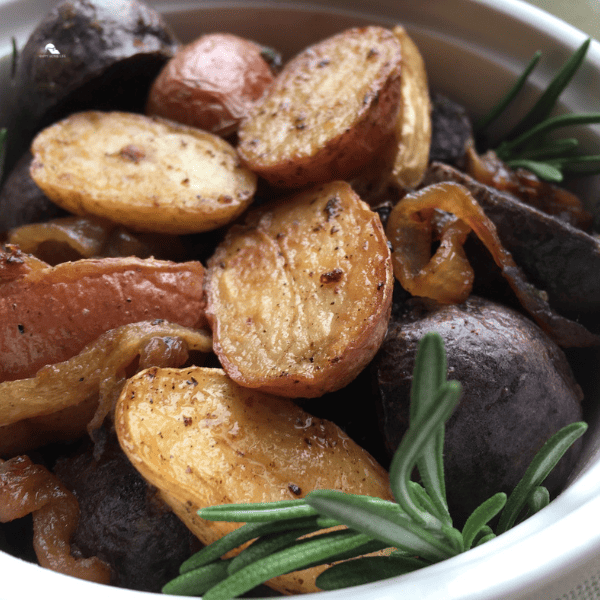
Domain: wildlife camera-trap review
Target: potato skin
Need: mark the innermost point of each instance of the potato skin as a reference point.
(298, 297)
(122, 520)
(112, 52)
(211, 83)
(203, 440)
(146, 173)
(50, 314)
(329, 110)
(518, 390)
(21, 200)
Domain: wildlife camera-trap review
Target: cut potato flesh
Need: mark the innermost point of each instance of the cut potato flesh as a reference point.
(299, 296)
(203, 440)
(146, 173)
(328, 112)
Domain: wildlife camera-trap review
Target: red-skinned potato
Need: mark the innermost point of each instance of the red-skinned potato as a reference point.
(211, 83)
(49, 314)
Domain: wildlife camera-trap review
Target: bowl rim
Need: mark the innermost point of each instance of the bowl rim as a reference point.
(528, 551)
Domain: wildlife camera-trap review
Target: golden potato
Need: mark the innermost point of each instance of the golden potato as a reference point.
(203, 440)
(211, 83)
(402, 161)
(299, 296)
(413, 129)
(143, 172)
(328, 112)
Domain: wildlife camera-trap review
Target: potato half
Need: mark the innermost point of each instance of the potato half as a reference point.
(328, 112)
(211, 83)
(203, 440)
(299, 296)
(413, 130)
(143, 172)
(50, 314)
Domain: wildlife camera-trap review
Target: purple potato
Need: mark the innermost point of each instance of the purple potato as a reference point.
(123, 521)
(518, 390)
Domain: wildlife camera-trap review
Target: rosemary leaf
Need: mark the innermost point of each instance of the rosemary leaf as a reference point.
(508, 149)
(481, 516)
(484, 122)
(541, 465)
(429, 374)
(422, 497)
(198, 581)
(567, 161)
(485, 532)
(240, 536)
(369, 547)
(366, 570)
(551, 149)
(543, 170)
(542, 108)
(412, 445)
(305, 552)
(258, 512)
(538, 499)
(265, 546)
(385, 523)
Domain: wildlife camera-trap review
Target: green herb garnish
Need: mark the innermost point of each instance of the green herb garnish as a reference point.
(527, 145)
(418, 525)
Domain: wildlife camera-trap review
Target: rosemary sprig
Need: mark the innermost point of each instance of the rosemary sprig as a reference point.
(418, 524)
(527, 145)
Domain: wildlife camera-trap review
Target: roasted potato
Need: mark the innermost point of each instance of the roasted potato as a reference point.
(204, 440)
(518, 390)
(49, 314)
(298, 297)
(413, 128)
(211, 83)
(328, 112)
(143, 172)
(122, 519)
(402, 161)
(22, 201)
(108, 55)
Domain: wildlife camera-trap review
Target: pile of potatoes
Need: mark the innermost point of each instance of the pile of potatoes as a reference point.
(259, 183)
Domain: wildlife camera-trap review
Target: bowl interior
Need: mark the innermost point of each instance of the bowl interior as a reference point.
(473, 61)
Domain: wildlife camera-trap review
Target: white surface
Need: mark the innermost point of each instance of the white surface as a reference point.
(584, 14)
(473, 50)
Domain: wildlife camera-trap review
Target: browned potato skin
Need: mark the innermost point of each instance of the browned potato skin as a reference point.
(50, 314)
(203, 440)
(328, 112)
(211, 83)
(146, 173)
(299, 296)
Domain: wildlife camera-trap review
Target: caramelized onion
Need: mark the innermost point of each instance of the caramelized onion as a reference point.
(98, 372)
(445, 276)
(72, 238)
(25, 489)
(551, 199)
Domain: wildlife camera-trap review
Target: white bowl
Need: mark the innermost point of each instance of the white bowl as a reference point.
(474, 49)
